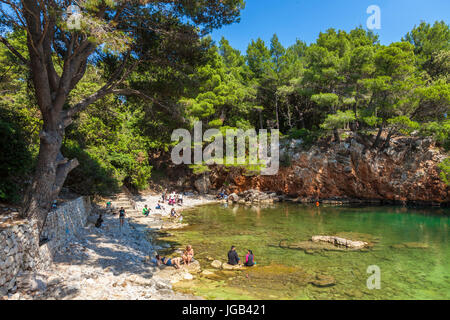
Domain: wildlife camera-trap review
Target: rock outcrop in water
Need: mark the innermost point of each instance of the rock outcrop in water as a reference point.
(338, 241)
(406, 170)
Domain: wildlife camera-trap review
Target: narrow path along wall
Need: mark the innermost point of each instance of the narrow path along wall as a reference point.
(19, 243)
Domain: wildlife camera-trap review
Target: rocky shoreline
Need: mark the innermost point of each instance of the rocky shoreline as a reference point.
(404, 173)
(253, 196)
(110, 263)
(115, 264)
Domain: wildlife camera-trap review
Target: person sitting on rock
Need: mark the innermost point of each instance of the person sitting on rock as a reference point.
(146, 211)
(173, 213)
(220, 195)
(233, 258)
(170, 262)
(249, 259)
(188, 255)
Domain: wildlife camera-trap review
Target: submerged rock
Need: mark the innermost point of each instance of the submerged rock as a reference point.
(340, 241)
(227, 266)
(311, 247)
(323, 281)
(216, 264)
(411, 245)
(193, 267)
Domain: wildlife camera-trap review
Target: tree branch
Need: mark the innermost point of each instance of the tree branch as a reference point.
(61, 174)
(14, 51)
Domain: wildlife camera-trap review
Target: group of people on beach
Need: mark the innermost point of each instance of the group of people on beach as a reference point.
(172, 198)
(145, 211)
(173, 214)
(222, 195)
(188, 257)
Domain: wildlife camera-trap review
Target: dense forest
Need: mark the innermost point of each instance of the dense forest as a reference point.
(344, 81)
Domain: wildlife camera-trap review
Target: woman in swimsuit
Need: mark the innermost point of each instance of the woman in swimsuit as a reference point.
(170, 262)
(188, 255)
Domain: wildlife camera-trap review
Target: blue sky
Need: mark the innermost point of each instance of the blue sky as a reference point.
(304, 19)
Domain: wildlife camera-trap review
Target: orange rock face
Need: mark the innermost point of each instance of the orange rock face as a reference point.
(405, 171)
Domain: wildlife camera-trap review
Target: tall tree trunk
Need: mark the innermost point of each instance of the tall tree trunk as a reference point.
(388, 140)
(51, 171)
(355, 125)
(276, 111)
(336, 135)
(260, 120)
(289, 116)
(377, 139)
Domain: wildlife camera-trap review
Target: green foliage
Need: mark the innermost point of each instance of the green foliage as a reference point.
(342, 80)
(326, 100)
(15, 157)
(445, 170)
(440, 131)
(429, 40)
(338, 120)
(198, 169)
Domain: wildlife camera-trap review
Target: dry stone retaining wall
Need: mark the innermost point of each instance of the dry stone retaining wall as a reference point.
(19, 243)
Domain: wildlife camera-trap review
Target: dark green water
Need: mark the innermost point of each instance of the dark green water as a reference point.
(419, 270)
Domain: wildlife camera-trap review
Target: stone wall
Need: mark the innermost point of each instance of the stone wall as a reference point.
(64, 222)
(19, 244)
(18, 252)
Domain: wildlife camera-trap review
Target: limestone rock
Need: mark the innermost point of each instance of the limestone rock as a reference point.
(340, 241)
(216, 264)
(406, 170)
(188, 276)
(323, 281)
(227, 266)
(203, 184)
(193, 267)
(207, 273)
(233, 197)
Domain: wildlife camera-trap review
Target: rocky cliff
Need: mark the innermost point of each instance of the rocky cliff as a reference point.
(405, 171)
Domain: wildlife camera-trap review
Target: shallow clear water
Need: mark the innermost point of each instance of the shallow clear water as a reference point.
(419, 270)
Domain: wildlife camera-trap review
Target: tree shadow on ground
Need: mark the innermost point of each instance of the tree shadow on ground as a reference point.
(126, 253)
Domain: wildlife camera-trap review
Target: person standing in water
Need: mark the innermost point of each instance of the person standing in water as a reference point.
(249, 259)
(233, 258)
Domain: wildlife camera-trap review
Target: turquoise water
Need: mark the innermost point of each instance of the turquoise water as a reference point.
(410, 246)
